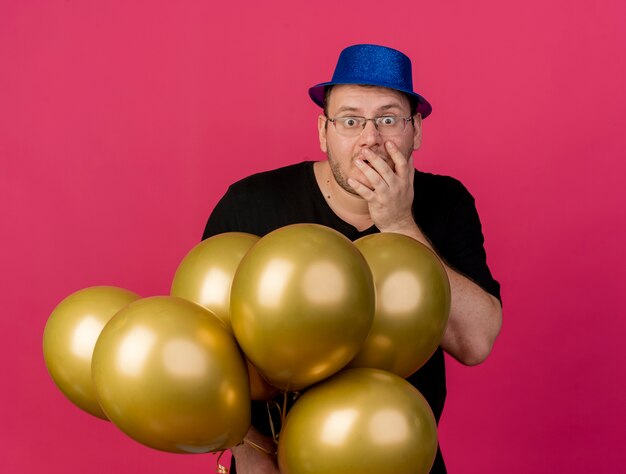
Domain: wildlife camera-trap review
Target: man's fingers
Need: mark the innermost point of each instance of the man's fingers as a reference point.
(379, 166)
(400, 161)
(372, 175)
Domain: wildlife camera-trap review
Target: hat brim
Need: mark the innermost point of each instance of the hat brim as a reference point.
(317, 95)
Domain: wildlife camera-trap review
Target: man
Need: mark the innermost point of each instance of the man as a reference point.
(371, 124)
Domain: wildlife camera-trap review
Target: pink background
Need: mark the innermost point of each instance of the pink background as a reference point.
(123, 122)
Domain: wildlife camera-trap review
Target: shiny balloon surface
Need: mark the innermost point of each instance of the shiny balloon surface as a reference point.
(170, 375)
(302, 304)
(70, 336)
(206, 273)
(412, 303)
(359, 421)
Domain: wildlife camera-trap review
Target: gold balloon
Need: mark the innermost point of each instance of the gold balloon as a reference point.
(206, 273)
(70, 336)
(170, 375)
(302, 303)
(359, 421)
(412, 303)
(205, 276)
(260, 389)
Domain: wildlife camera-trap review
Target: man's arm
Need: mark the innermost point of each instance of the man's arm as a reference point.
(475, 315)
(474, 323)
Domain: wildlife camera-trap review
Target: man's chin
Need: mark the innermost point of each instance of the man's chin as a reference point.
(347, 188)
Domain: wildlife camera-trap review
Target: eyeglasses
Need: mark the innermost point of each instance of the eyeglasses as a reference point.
(388, 125)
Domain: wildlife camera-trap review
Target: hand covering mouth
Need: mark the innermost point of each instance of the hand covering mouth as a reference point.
(387, 159)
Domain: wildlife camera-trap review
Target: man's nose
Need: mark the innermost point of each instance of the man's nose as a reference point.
(370, 134)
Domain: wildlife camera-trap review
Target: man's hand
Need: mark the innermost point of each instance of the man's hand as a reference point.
(253, 460)
(388, 192)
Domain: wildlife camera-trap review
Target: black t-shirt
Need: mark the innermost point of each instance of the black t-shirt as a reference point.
(443, 209)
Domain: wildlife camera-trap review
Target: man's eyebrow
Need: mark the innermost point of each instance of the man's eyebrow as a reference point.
(390, 106)
(346, 108)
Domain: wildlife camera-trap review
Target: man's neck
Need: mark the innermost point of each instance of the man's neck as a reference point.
(349, 207)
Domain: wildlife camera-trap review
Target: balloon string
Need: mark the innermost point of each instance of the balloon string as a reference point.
(260, 448)
(273, 403)
(283, 413)
(220, 469)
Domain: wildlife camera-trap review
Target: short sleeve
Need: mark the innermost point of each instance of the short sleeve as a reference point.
(224, 217)
(463, 244)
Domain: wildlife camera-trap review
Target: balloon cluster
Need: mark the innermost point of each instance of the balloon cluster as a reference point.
(302, 309)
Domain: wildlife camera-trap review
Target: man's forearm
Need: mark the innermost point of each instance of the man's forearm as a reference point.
(474, 323)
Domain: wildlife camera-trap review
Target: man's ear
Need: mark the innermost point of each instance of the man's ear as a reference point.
(417, 131)
(321, 128)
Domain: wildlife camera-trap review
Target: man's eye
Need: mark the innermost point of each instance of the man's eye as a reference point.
(350, 122)
(388, 121)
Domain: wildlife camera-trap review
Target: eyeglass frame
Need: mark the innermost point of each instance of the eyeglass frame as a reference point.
(373, 119)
